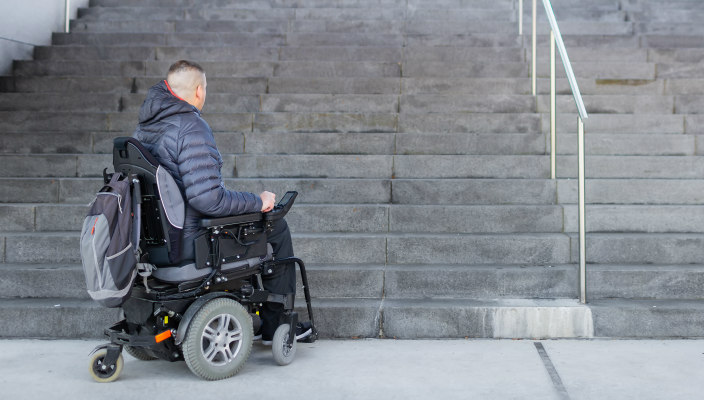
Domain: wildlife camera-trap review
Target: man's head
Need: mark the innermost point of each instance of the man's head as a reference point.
(187, 81)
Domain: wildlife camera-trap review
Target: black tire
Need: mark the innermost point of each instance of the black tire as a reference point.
(104, 373)
(283, 352)
(219, 339)
(139, 353)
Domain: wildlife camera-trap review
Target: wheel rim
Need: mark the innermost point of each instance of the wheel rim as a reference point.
(102, 370)
(221, 340)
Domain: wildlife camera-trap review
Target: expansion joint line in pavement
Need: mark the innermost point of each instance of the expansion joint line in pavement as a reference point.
(554, 376)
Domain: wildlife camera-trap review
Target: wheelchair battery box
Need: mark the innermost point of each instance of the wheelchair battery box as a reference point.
(230, 244)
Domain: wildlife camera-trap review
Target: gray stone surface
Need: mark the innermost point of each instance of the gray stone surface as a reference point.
(479, 282)
(314, 166)
(463, 143)
(471, 166)
(540, 249)
(378, 120)
(475, 219)
(473, 191)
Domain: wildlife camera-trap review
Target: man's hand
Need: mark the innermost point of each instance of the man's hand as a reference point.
(268, 201)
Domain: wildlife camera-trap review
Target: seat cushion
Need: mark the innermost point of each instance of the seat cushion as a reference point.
(189, 272)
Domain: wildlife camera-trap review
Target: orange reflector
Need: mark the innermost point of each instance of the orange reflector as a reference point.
(162, 336)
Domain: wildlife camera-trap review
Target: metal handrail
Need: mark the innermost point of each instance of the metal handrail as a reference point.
(67, 16)
(556, 38)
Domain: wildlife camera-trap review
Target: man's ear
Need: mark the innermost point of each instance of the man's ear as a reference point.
(199, 92)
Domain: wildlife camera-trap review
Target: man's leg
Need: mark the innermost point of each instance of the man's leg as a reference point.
(282, 281)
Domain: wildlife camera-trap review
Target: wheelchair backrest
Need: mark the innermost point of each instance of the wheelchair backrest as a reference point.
(160, 225)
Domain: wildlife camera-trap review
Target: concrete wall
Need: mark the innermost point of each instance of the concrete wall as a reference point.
(28, 23)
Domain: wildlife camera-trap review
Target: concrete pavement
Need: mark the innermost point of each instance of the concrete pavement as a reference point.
(379, 369)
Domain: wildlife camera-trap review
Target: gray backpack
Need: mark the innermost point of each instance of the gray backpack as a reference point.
(108, 248)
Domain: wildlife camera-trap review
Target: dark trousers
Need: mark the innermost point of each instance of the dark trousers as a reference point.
(282, 281)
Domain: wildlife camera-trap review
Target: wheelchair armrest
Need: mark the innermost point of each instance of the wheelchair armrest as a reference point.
(231, 220)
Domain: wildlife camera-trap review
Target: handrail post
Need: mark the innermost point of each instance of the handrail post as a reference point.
(553, 108)
(520, 17)
(582, 218)
(533, 42)
(67, 15)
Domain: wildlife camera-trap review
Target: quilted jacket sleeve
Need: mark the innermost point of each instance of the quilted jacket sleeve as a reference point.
(199, 164)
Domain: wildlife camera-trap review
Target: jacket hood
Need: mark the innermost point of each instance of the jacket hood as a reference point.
(162, 103)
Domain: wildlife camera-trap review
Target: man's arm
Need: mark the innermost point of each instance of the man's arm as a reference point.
(198, 162)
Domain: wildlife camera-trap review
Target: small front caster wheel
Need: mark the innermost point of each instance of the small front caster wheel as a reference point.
(283, 352)
(104, 373)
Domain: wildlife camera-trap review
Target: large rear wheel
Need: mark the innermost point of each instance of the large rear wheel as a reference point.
(219, 339)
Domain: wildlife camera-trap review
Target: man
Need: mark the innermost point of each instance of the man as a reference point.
(172, 129)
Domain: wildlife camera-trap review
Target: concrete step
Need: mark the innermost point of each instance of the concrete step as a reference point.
(302, 13)
(630, 218)
(267, 4)
(314, 166)
(647, 318)
(507, 318)
(136, 52)
(166, 39)
(634, 191)
(312, 143)
(669, 41)
(667, 28)
(618, 124)
(645, 282)
(37, 281)
(476, 166)
(638, 282)
(541, 249)
(634, 167)
(324, 191)
(487, 103)
(47, 142)
(676, 55)
(386, 167)
(474, 191)
(471, 318)
(466, 144)
(365, 218)
(543, 318)
(55, 318)
(33, 121)
(680, 70)
(369, 218)
(470, 123)
(645, 248)
(632, 144)
(654, 282)
(322, 122)
(415, 282)
(202, 26)
(53, 165)
(350, 103)
(619, 104)
(66, 281)
(427, 69)
(49, 84)
(77, 318)
(319, 86)
(86, 102)
(242, 69)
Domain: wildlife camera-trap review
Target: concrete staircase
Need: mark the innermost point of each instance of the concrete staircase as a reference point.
(407, 126)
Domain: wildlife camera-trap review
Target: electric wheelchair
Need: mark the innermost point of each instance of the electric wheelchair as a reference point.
(203, 311)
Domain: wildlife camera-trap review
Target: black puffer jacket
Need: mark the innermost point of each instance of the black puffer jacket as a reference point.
(174, 132)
